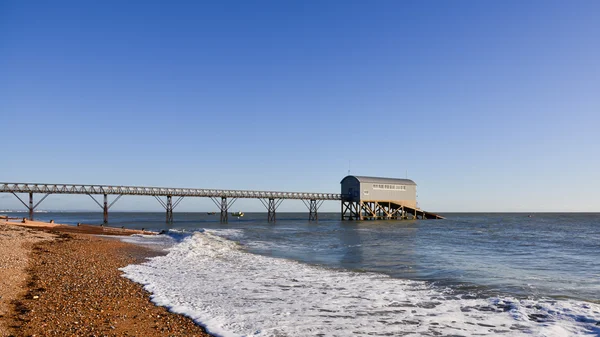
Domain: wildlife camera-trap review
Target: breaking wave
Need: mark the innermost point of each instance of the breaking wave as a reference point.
(232, 292)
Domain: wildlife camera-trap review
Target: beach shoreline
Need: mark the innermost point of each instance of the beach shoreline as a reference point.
(79, 228)
(60, 280)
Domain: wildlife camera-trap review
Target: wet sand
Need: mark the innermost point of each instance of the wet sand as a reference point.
(68, 284)
(80, 228)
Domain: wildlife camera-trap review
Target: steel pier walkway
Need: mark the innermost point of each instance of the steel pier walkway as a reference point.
(270, 199)
(224, 199)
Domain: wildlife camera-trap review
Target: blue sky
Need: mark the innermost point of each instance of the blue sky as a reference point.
(488, 105)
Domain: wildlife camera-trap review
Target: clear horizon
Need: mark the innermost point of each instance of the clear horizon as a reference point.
(487, 106)
(255, 212)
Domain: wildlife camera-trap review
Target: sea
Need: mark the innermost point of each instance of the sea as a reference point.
(471, 274)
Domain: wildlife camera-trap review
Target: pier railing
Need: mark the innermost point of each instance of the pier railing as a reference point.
(160, 191)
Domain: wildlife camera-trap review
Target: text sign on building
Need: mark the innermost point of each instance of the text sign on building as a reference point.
(390, 187)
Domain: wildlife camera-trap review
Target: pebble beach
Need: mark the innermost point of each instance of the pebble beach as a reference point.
(61, 283)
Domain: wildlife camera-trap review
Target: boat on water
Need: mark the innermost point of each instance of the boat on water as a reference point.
(211, 213)
(238, 214)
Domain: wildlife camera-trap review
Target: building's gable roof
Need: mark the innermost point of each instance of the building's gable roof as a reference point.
(379, 180)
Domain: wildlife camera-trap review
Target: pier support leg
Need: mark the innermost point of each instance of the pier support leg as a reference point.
(105, 210)
(313, 207)
(271, 211)
(347, 210)
(169, 209)
(224, 210)
(312, 211)
(105, 206)
(271, 205)
(360, 211)
(351, 210)
(224, 205)
(368, 210)
(31, 207)
(169, 206)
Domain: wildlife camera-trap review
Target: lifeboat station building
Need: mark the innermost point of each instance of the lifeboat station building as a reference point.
(375, 198)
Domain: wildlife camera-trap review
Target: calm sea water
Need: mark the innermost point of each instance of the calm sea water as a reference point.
(469, 274)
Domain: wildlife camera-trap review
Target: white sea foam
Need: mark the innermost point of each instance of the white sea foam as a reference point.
(152, 241)
(165, 240)
(235, 293)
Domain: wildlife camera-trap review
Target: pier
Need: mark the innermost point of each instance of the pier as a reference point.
(223, 199)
